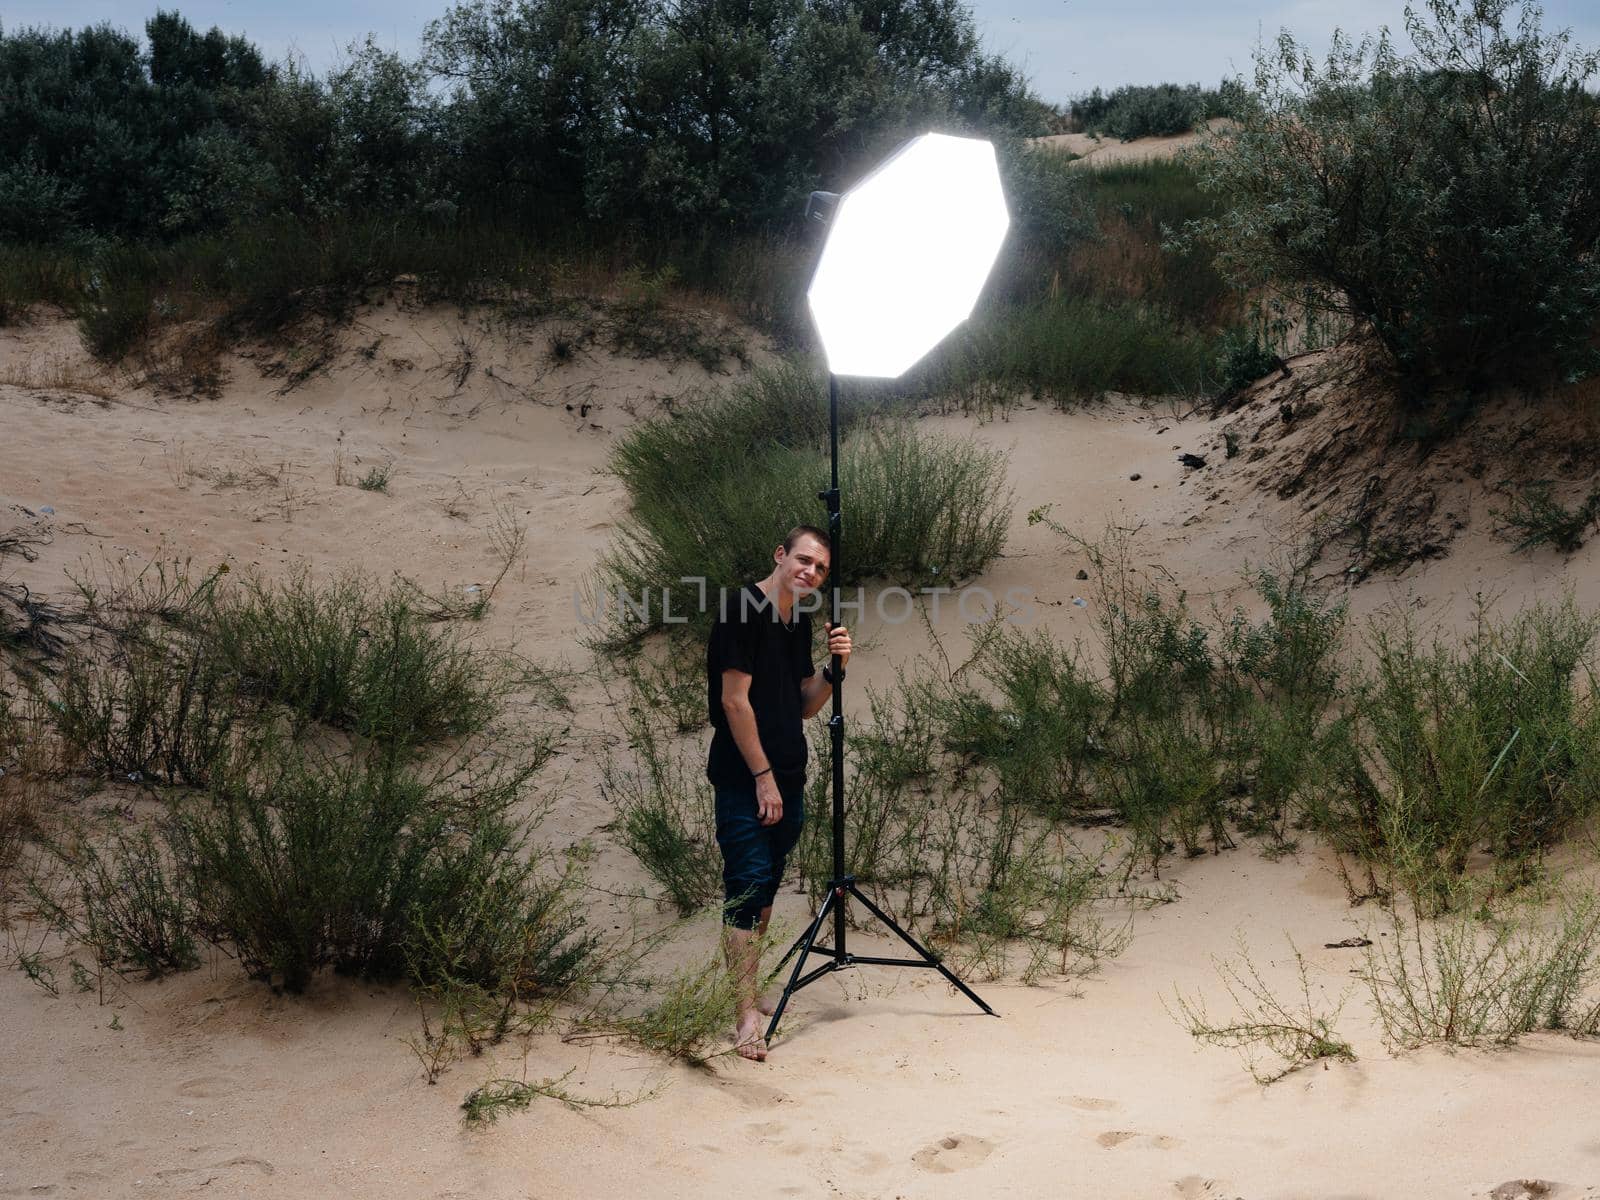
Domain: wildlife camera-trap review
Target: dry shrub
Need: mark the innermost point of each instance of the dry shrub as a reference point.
(29, 762)
(1462, 981)
(60, 373)
(1295, 1032)
(1125, 262)
(186, 360)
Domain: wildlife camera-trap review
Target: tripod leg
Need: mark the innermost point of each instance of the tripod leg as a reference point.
(923, 951)
(798, 942)
(804, 947)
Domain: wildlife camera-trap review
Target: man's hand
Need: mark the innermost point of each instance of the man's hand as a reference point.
(838, 642)
(769, 800)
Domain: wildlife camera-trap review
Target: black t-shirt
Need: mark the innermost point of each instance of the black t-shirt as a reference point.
(750, 636)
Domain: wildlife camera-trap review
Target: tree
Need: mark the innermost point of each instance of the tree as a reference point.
(117, 137)
(675, 118)
(1449, 202)
(180, 55)
(380, 133)
(532, 115)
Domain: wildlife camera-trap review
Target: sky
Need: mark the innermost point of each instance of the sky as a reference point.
(1066, 47)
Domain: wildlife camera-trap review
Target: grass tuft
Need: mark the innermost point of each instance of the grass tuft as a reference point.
(377, 479)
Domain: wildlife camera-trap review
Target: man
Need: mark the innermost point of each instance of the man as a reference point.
(760, 687)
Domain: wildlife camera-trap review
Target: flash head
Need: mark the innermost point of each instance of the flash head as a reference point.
(820, 208)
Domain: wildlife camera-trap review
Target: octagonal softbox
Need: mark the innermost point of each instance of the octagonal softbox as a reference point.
(908, 251)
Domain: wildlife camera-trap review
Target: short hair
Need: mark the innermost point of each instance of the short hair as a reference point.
(800, 531)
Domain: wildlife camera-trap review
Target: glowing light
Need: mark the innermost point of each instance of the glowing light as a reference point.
(908, 251)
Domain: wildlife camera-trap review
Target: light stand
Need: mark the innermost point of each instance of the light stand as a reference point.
(842, 886)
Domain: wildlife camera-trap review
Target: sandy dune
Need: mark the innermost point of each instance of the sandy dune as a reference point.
(1102, 150)
(885, 1085)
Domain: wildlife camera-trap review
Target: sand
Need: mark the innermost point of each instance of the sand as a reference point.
(1099, 151)
(886, 1084)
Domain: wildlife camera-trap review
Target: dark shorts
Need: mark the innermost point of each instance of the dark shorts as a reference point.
(753, 854)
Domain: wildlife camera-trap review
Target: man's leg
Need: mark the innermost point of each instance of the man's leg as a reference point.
(765, 1004)
(781, 839)
(746, 867)
(743, 950)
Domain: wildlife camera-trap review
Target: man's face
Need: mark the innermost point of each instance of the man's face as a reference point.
(805, 567)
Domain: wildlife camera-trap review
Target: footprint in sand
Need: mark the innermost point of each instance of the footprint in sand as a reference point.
(754, 1095)
(1528, 1189)
(207, 1087)
(957, 1152)
(254, 1164)
(1198, 1187)
(232, 1164)
(1092, 1103)
(769, 1135)
(1117, 1137)
(870, 1162)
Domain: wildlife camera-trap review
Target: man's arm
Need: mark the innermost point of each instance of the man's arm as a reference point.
(742, 724)
(814, 693)
(814, 689)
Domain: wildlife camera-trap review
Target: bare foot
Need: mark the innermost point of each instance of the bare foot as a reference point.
(768, 1004)
(747, 1039)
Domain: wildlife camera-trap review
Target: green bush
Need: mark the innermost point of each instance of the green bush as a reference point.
(1041, 737)
(35, 205)
(301, 861)
(1166, 781)
(152, 706)
(116, 309)
(164, 700)
(672, 683)
(1332, 183)
(1242, 358)
(665, 814)
(295, 860)
(1050, 213)
(1536, 518)
(353, 656)
(1294, 1034)
(1467, 982)
(123, 899)
(1209, 723)
(1155, 110)
(36, 275)
(1486, 745)
(299, 855)
(922, 506)
(889, 826)
(691, 1018)
(1138, 207)
(714, 487)
(1066, 351)
(985, 873)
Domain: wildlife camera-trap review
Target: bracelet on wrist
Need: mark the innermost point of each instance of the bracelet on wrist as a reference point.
(830, 677)
(759, 774)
